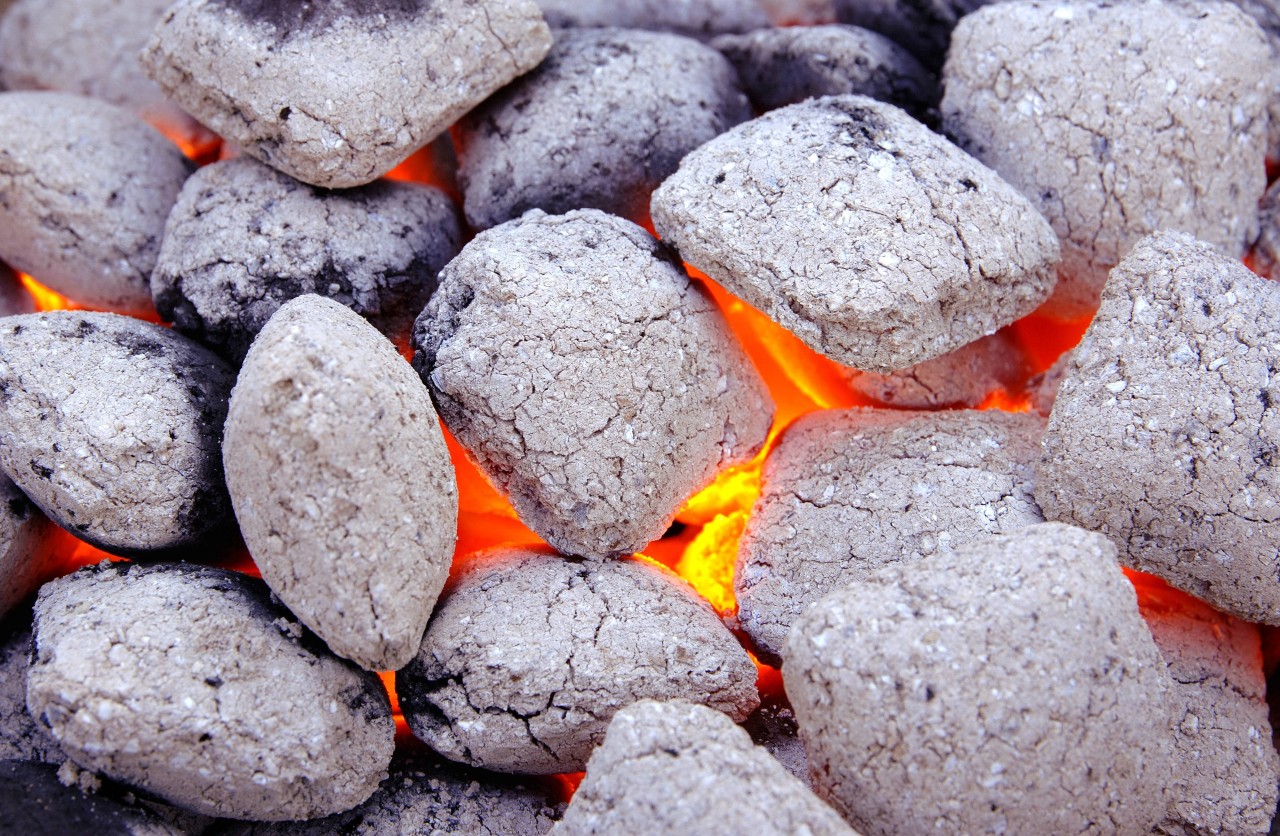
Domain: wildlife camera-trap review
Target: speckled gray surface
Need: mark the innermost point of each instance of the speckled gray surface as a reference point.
(85, 188)
(337, 94)
(28, 555)
(922, 26)
(845, 492)
(529, 655)
(785, 212)
(963, 378)
(676, 767)
(1164, 433)
(21, 739)
(189, 683)
(1158, 109)
(1011, 686)
(244, 239)
(695, 18)
(600, 124)
(341, 481)
(589, 378)
(112, 426)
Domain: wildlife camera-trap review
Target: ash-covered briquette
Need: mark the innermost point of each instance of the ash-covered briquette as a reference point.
(592, 381)
(14, 298)
(89, 47)
(963, 378)
(676, 767)
(337, 94)
(1010, 686)
(429, 795)
(922, 26)
(846, 492)
(28, 554)
(1164, 434)
(1228, 768)
(86, 188)
(113, 427)
(1043, 388)
(1116, 120)
(784, 66)
(188, 682)
(787, 212)
(1267, 15)
(600, 124)
(530, 654)
(341, 481)
(21, 738)
(35, 802)
(1265, 256)
(703, 19)
(244, 239)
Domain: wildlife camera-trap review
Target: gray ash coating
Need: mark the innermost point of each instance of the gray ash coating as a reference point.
(679, 768)
(599, 124)
(1011, 686)
(845, 492)
(530, 654)
(29, 554)
(922, 26)
(784, 66)
(190, 683)
(244, 239)
(784, 212)
(21, 738)
(591, 380)
(1165, 435)
(962, 379)
(113, 427)
(296, 17)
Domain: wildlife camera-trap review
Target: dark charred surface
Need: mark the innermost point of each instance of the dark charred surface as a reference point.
(295, 16)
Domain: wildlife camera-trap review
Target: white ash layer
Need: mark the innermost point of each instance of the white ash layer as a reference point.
(341, 481)
(1228, 770)
(113, 427)
(1116, 120)
(35, 802)
(845, 492)
(589, 377)
(243, 239)
(676, 767)
(29, 555)
(337, 94)
(189, 683)
(785, 66)
(786, 211)
(1010, 686)
(923, 28)
(529, 655)
(963, 378)
(430, 796)
(87, 187)
(598, 125)
(1265, 255)
(14, 298)
(702, 19)
(21, 738)
(1164, 434)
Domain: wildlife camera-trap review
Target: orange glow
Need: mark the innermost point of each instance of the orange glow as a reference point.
(197, 143)
(434, 165)
(1007, 401)
(709, 560)
(1046, 339)
(46, 299)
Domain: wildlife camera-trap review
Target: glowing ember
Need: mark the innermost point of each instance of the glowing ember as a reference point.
(708, 562)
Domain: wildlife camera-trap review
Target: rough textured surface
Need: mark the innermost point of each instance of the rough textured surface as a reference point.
(600, 124)
(846, 492)
(89, 47)
(1267, 15)
(1043, 388)
(244, 239)
(14, 298)
(589, 377)
(34, 802)
(21, 738)
(530, 654)
(1164, 435)
(675, 767)
(696, 18)
(188, 682)
(922, 26)
(1265, 257)
(779, 67)
(85, 188)
(28, 554)
(787, 213)
(1228, 773)
(337, 94)
(341, 481)
(431, 796)
(1116, 120)
(773, 728)
(112, 427)
(1008, 687)
(963, 378)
